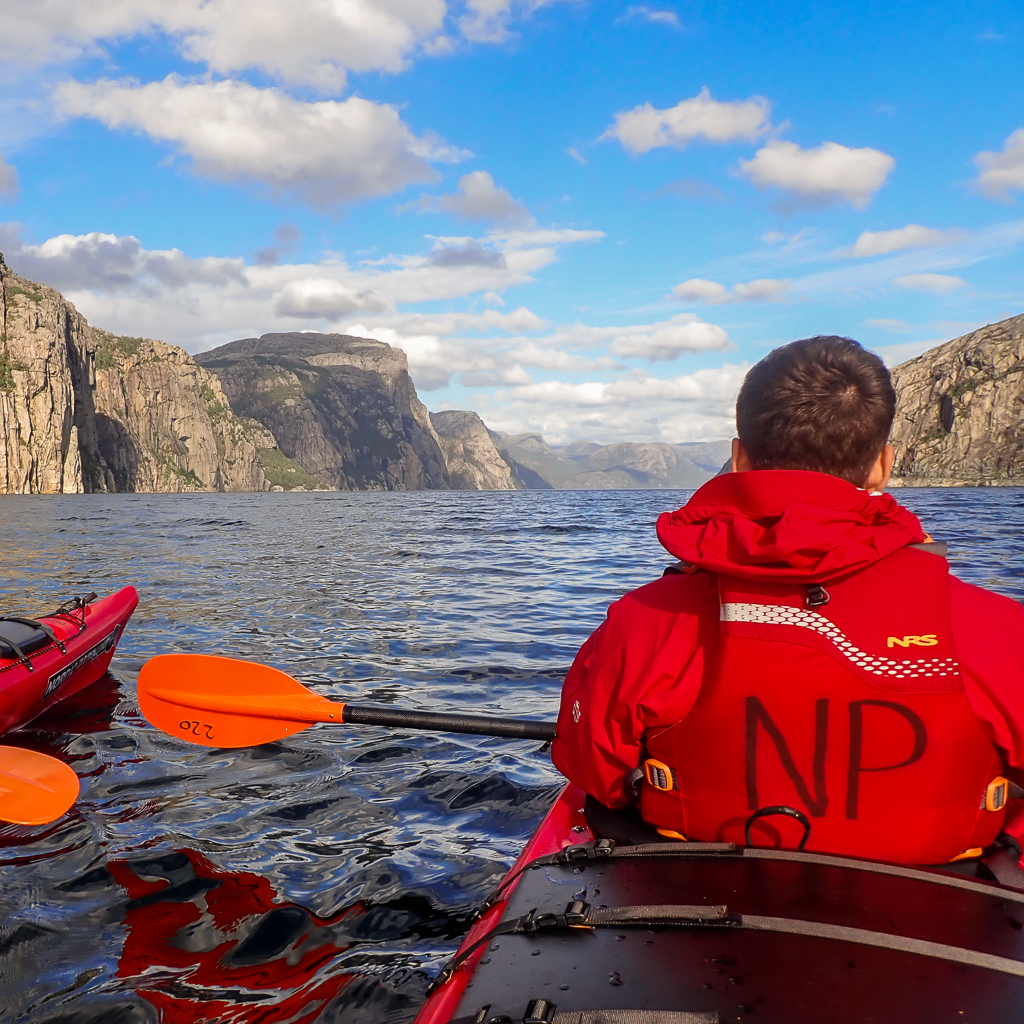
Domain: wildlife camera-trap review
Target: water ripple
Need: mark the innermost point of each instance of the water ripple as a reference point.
(325, 877)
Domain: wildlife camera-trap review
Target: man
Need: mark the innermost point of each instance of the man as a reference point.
(809, 658)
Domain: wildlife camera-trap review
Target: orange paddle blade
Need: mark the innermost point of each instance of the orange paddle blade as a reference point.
(34, 788)
(224, 702)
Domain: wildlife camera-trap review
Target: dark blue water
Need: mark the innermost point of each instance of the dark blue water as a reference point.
(326, 877)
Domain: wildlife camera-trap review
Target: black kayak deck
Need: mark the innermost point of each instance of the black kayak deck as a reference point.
(766, 936)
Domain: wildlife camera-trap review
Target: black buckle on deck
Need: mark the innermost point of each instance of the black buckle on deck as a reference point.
(600, 850)
(574, 916)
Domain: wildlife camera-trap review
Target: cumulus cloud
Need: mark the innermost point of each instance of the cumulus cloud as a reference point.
(488, 349)
(937, 284)
(8, 180)
(325, 298)
(699, 289)
(477, 198)
(689, 407)
(1002, 173)
(203, 302)
(285, 237)
(326, 153)
(471, 254)
(303, 42)
(683, 333)
(913, 236)
(653, 15)
(487, 21)
(825, 174)
(645, 127)
(108, 263)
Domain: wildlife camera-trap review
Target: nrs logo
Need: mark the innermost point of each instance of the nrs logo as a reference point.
(927, 640)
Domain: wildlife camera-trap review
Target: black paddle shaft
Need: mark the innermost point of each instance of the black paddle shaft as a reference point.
(477, 725)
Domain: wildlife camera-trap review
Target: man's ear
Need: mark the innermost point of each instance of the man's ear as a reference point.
(740, 459)
(878, 478)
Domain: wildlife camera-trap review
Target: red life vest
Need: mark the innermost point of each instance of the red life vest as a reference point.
(852, 712)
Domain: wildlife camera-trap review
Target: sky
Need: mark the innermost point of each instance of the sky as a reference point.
(585, 219)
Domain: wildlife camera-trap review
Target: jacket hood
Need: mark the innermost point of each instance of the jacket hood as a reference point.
(774, 524)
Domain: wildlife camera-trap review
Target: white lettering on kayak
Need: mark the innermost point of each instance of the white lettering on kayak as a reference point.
(576, 711)
(58, 679)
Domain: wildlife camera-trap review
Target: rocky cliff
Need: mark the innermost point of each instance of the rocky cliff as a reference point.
(344, 409)
(473, 460)
(589, 466)
(960, 411)
(83, 410)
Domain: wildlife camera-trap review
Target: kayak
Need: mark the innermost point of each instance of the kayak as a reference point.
(601, 921)
(46, 660)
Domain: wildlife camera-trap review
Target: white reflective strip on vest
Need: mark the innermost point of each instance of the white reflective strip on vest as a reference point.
(788, 615)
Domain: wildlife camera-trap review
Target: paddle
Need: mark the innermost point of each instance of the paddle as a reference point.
(224, 702)
(35, 789)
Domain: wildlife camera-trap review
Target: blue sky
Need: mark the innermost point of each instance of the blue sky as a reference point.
(581, 218)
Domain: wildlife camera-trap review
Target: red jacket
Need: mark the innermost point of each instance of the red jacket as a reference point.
(642, 669)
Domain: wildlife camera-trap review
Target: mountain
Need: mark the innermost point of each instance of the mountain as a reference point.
(589, 466)
(960, 411)
(344, 409)
(84, 410)
(473, 460)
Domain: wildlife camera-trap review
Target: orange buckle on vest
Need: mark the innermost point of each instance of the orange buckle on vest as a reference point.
(996, 793)
(659, 775)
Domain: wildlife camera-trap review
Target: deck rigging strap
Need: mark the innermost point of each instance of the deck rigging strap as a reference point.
(580, 915)
(540, 1011)
(606, 849)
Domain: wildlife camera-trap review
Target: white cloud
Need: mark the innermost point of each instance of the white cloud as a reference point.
(764, 289)
(543, 236)
(827, 173)
(716, 384)
(107, 263)
(8, 180)
(683, 333)
(198, 303)
(303, 42)
(1002, 173)
(645, 128)
(576, 155)
(486, 21)
(890, 324)
(327, 153)
(937, 284)
(477, 198)
(699, 289)
(690, 407)
(913, 236)
(436, 357)
(654, 15)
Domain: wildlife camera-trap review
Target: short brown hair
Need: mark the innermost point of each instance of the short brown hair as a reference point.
(824, 404)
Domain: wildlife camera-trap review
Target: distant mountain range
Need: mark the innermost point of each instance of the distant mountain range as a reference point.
(84, 410)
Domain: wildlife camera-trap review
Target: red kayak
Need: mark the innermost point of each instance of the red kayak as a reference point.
(601, 921)
(44, 660)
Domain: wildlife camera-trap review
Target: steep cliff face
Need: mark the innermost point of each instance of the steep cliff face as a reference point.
(83, 410)
(343, 408)
(40, 337)
(473, 460)
(960, 411)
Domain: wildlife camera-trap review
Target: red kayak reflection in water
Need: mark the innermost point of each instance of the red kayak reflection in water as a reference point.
(204, 944)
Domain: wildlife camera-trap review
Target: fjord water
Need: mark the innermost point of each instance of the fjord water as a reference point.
(325, 877)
